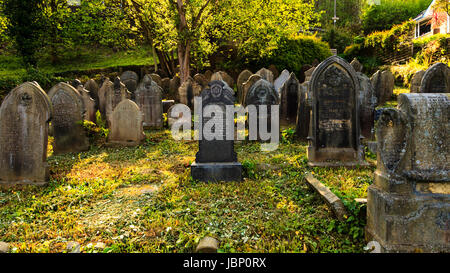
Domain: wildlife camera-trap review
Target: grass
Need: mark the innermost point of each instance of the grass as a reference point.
(142, 199)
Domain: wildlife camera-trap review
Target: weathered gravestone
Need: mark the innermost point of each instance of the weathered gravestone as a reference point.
(131, 80)
(408, 205)
(223, 76)
(75, 83)
(167, 104)
(247, 85)
(290, 92)
(304, 108)
(367, 104)
(107, 87)
(262, 93)
(216, 159)
(24, 117)
(416, 81)
(274, 70)
(242, 78)
(334, 135)
(436, 79)
(201, 80)
(174, 85)
(156, 78)
(266, 74)
(188, 91)
(383, 83)
(208, 74)
(92, 86)
(308, 74)
(89, 104)
(148, 98)
(126, 125)
(68, 115)
(279, 82)
(165, 85)
(113, 97)
(356, 65)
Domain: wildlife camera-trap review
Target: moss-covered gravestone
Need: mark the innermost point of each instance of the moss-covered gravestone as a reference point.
(24, 117)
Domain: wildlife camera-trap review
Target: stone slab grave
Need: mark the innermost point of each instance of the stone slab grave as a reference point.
(223, 76)
(216, 159)
(126, 125)
(266, 74)
(334, 135)
(262, 93)
(24, 117)
(290, 94)
(131, 80)
(149, 99)
(436, 79)
(383, 83)
(247, 85)
(408, 205)
(89, 104)
(114, 96)
(68, 115)
(242, 78)
(367, 104)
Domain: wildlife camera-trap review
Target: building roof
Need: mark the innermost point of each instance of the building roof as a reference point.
(426, 14)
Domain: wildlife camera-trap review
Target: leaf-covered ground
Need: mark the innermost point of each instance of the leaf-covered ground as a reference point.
(142, 199)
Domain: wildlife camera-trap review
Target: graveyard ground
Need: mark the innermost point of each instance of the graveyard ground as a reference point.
(141, 199)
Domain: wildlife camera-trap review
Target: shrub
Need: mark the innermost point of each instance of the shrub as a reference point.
(337, 38)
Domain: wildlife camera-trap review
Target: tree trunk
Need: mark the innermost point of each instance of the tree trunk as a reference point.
(184, 60)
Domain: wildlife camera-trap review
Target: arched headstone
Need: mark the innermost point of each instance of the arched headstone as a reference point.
(131, 80)
(148, 98)
(68, 116)
(266, 74)
(290, 92)
(114, 96)
(89, 104)
(24, 117)
(223, 76)
(242, 78)
(93, 88)
(247, 85)
(436, 79)
(126, 124)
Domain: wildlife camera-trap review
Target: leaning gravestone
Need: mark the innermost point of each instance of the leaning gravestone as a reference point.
(223, 76)
(367, 104)
(148, 98)
(24, 117)
(216, 159)
(68, 115)
(383, 83)
(262, 93)
(266, 74)
(408, 205)
(89, 104)
(246, 87)
(279, 82)
(126, 125)
(92, 86)
(334, 137)
(113, 97)
(416, 81)
(242, 78)
(131, 80)
(436, 79)
(290, 92)
(356, 65)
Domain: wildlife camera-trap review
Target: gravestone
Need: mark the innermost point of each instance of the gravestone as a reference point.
(367, 104)
(89, 104)
(274, 70)
(174, 85)
(107, 87)
(301, 76)
(436, 79)
(356, 65)
(334, 135)
(266, 74)
(308, 74)
(247, 85)
(68, 115)
(216, 159)
(383, 83)
(303, 112)
(165, 85)
(131, 80)
(75, 83)
(92, 86)
(187, 91)
(148, 98)
(262, 93)
(113, 97)
(279, 82)
(408, 205)
(416, 81)
(156, 78)
(24, 117)
(290, 92)
(167, 104)
(126, 125)
(223, 76)
(201, 80)
(242, 78)
(208, 74)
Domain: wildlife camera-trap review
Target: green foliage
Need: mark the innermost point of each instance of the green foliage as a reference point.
(292, 54)
(97, 133)
(287, 135)
(390, 13)
(392, 38)
(338, 38)
(348, 12)
(432, 49)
